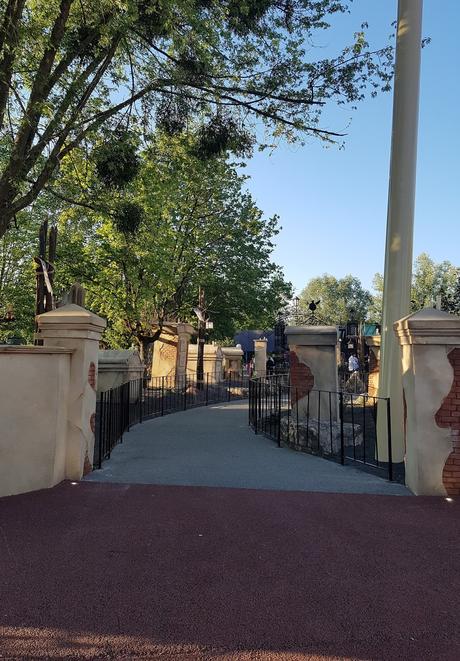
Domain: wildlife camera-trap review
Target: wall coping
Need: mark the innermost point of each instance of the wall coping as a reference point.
(120, 357)
(210, 351)
(232, 351)
(31, 349)
(428, 326)
(373, 340)
(311, 335)
(175, 328)
(71, 316)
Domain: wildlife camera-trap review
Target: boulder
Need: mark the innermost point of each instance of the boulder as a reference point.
(319, 437)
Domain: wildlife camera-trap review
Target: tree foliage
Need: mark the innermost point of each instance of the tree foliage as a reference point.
(340, 299)
(74, 72)
(430, 279)
(198, 227)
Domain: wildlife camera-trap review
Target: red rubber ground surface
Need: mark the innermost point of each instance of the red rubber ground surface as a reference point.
(126, 572)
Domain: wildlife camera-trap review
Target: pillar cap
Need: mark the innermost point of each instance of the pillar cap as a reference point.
(428, 326)
(70, 319)
(311, 335)
(175, 328)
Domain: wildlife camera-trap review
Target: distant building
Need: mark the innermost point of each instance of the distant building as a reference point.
(246, 339)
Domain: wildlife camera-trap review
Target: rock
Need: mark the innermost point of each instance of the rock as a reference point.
(318, 437)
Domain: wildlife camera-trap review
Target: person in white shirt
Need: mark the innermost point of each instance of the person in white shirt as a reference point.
(353, 363)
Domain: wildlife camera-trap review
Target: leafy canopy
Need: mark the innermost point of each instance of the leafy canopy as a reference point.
(73, 72)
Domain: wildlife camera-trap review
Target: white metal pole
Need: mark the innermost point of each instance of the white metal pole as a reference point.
(400, 220)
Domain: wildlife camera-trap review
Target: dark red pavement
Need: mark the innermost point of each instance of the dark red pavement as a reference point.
(112, 571)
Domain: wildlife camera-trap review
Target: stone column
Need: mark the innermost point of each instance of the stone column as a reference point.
(79, 330)
(313, 359)
(260, 357)
(373, 342)
(184, 334)
(430, 341)
(171, 351)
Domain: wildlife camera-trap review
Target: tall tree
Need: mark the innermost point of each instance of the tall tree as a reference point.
(340, 299)
(430, 279)
(71, 69)
(182, 223)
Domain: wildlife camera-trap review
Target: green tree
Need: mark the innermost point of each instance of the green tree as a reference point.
(430, 279)
(197, 226)
(72, 70)
(340, 299)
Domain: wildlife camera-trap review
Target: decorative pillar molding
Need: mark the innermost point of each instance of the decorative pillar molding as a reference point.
(79, 330)
(313, 358)
(260, 357)
(374, 343)
(430, 342)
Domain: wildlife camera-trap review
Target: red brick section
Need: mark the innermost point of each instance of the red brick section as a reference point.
(92, 375)
(449, 416)
(302, 379)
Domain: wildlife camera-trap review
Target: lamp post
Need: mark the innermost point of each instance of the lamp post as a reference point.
(400, 220)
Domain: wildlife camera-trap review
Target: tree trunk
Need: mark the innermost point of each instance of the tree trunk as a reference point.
(146, 355)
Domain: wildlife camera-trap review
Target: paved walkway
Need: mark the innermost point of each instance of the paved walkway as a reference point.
(111, 571)
(215, 447)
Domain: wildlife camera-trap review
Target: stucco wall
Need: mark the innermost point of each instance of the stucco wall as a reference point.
(34, 393)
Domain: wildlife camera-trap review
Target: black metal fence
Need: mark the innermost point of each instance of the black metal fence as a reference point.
(131, 403)
(346, 427)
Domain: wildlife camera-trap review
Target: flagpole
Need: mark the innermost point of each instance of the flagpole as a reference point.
(400, 219)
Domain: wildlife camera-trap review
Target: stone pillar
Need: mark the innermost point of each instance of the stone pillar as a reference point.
(184, 333)
(313, 361)
(373, 342)
(79, 330)
(260, 357)
(430, 341)
(232, 361)
(212, 362)
(171, 351)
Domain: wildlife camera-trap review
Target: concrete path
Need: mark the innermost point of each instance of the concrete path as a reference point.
(214, 447)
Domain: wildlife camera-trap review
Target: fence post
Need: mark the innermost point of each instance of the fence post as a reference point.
(229, 387)
(162, 396)
(390, 456)
(101, 428)
(342, 440)
(141, 397)
(256, 405)
(207, 387)
(185, 392)
(250, 404)
(279, 415)
(128, 405)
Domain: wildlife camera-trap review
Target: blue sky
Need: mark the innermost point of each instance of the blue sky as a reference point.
(333, 203)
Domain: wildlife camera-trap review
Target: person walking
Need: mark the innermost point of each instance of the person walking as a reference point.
(353, 363)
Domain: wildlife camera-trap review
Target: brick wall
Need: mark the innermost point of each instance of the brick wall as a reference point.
(302, 379)
(448, 417)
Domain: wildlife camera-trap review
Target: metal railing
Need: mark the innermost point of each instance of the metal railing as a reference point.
(333, 424)
(131, 403)
(356, 382)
